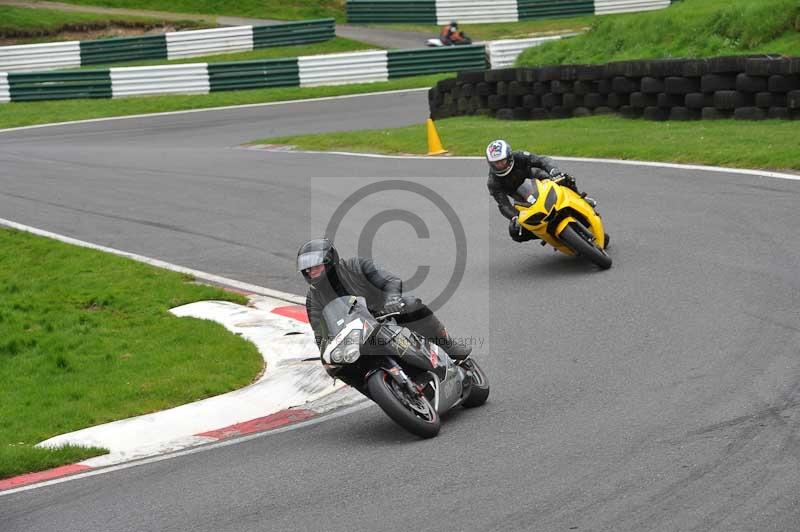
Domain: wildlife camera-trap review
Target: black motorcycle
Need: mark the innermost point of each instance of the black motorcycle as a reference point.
(411, 379)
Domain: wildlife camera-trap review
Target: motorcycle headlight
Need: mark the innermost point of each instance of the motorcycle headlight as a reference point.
(351, 354)
(337, 355)
(550, 200)
(352, 346)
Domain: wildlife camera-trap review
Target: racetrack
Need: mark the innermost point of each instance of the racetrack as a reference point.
(663, 394)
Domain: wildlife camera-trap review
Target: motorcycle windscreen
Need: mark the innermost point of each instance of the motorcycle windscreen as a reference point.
(341, 311)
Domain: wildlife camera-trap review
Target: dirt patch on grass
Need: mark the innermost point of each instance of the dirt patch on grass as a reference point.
(91, 31)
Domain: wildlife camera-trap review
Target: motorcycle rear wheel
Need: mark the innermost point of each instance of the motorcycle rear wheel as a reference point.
(583, 248)
(415, 414)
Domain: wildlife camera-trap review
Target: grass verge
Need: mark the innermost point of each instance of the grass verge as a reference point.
(86, 338)
(690, 28)
(768, 144)
(27, 24)
(333, 46)
(268, 9)
(17, 114)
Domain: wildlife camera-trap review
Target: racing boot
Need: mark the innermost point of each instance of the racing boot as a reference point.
(456, 350)
(431, 328)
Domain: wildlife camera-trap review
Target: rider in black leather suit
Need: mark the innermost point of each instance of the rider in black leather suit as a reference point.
(509, 170)
(330, 277)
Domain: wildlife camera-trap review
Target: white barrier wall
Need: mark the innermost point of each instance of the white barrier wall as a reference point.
(608, 7)
(503, 53)
(170, 79)
(5, 94)
(202, 42)
(43, 56)
(472, 11)
(341, 69)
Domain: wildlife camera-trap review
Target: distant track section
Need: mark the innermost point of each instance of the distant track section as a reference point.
(166, 46)
(444, 11)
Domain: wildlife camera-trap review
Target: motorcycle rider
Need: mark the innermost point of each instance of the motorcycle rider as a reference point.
(511, 174)
(330, 277)
(451, 35)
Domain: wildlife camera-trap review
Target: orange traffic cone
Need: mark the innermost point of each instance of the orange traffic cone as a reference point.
(434, 144)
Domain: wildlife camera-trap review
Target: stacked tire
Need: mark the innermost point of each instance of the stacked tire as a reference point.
(740, 87)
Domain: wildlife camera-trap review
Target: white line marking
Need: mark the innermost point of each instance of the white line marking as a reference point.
(722, 169)
(244, 106)
(204, 448)
(760, 173)
(216, 279)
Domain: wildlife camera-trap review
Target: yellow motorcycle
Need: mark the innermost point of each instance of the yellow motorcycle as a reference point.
(561, 217)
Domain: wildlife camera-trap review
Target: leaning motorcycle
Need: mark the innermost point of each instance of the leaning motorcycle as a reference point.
(411, 379)
(461, 40)
(561, 217)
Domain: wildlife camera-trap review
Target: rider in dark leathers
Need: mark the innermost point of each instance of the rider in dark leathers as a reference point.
(508, 173)
(330, 277)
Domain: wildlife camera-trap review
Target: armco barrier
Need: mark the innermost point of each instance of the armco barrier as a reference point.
(472, 11)
(34, 86)
(182, 44)
(5, 96)
(191, 78)
(418, 11)
(40, 56)
(338, 69)
(740, 87)
(432, 60)
(531, 9)
(123, 49)
(253, 74)
(607, 7)
(503, 53)
(173, 45)
(201, 78)
(303, 32)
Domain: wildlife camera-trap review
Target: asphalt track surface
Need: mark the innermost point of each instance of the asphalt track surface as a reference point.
(663, 394)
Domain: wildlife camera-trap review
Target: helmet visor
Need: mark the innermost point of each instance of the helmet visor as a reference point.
(500, 165)
(309, 259)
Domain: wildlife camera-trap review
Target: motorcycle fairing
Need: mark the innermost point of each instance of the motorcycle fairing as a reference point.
(553, 208)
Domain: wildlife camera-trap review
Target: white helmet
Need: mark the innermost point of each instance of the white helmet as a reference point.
(499, 157)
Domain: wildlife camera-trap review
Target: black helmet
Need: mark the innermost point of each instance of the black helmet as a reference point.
(314, 253)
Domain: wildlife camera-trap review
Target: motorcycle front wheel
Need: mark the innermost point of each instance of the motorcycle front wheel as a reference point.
(415, 414)
(584, 248)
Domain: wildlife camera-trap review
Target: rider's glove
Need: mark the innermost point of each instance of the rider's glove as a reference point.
(393, 304)
(515, 230)
(565, 180)
(555, 172)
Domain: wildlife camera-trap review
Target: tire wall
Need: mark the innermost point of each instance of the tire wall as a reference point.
(740, 87)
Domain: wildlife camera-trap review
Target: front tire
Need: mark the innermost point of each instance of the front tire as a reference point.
(583, 248)
(415, 414)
